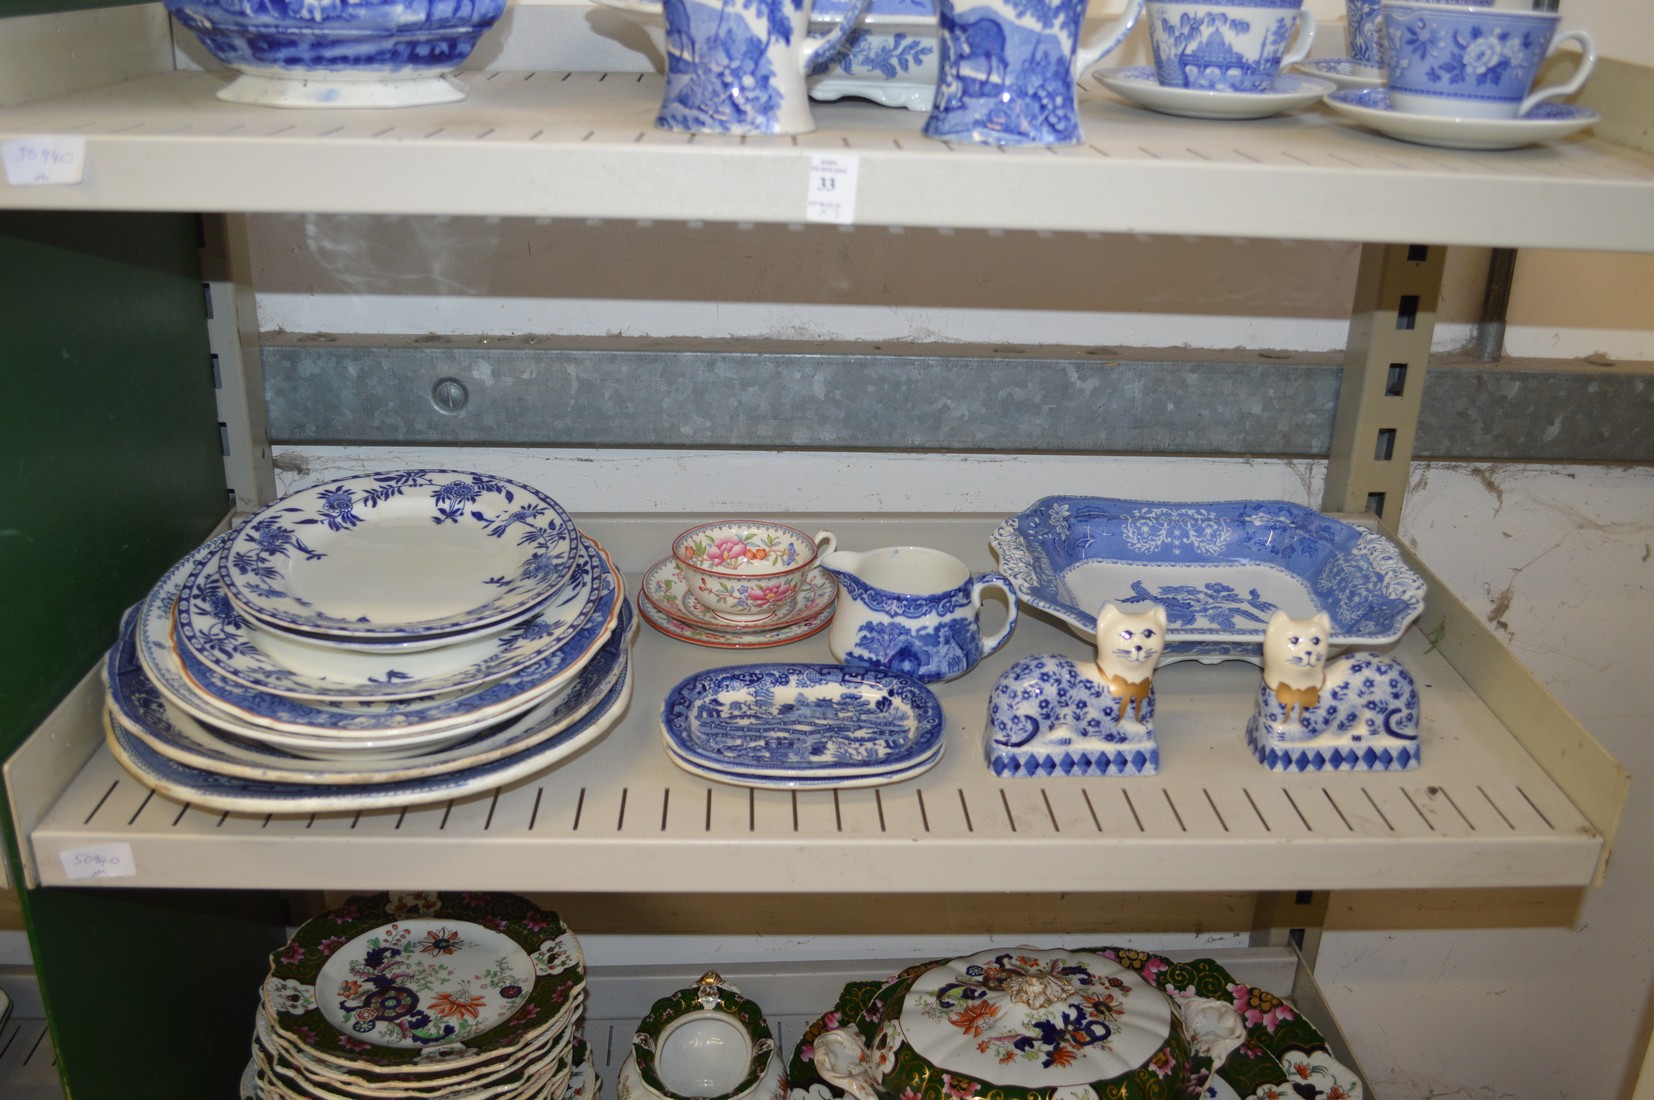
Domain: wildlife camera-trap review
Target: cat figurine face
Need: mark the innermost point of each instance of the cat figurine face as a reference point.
(1129, 644)
(1295, 650)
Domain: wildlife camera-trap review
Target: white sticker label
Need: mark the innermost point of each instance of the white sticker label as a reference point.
(832, 195)
(100, 861)
(45, 160)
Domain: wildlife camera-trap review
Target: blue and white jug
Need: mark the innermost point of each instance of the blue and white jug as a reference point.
(738, 66)
(912, 610)
(1008, 67)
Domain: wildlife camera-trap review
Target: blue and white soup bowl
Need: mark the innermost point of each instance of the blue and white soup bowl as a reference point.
(1227, 45)
(1474, 60)
(340, 53)
(912, 610)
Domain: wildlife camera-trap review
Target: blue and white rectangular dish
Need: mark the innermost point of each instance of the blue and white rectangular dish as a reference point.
(1220, 568)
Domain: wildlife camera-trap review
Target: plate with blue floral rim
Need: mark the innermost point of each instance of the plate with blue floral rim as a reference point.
(1219, 568)
(211, 790)
(213, 628)
(725, 639)
(401, 554)
(1342, 72)
(423, 982)
(1288, 92)
(1543, 122)
(778, 782)
(322, 726)
(145, 712)
(802, 720)
(665, 586)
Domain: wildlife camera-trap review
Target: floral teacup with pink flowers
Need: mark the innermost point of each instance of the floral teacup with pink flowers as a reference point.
(747, 570)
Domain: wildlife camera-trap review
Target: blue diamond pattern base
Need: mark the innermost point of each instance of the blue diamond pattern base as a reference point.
(1331, 753)
(1036, 765)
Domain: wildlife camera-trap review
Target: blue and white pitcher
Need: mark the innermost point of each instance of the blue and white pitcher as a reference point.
(912, 610)
(738, 66)
(1008, 69)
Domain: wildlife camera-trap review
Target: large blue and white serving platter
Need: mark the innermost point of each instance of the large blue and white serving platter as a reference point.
(403, 554)
(798, 721)
(214, 629)
(1220, 569)
(317, 727)
(211, 790)
(138, 706)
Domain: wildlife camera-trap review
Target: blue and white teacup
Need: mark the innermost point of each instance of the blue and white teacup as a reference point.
(738, 66)
(1006, 69)
(1365, 39)
(1227, 45)
(1469, 60)
(912, 610)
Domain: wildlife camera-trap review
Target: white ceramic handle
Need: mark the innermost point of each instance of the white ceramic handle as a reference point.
(841, 1059)
(823, 49)
(825, 542)
(1305, 39)
(1587, 62)
(999, 581)
(1091, 51)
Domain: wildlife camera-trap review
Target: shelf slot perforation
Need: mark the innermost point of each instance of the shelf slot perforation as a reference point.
(141, 806)
(1045, 796)
(1422, 815)
(1132, 806)
(1262, 820)
(1005, 801)
(1509, 824)
(1536, 808)
(1095, 820)
(666, 806)
(1447, 794)
(924, 815)
(1337, 809)
(1217, 813)
(620, 817)
(1373, 802)
(1308, 828)
(88, 819)
(1173, 806)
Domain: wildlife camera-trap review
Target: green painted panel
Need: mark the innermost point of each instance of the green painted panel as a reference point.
(110, 470)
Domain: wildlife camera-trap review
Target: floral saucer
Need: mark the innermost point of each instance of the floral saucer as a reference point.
(667, 588)
(1545, 122)
(726, 639)
(1345, 72)
(1139, 84)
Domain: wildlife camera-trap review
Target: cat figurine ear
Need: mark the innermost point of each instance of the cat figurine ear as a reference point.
(1358, 712)
(1051, 715)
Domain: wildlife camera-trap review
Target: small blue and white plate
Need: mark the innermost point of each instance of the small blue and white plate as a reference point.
(1342, 72)
(1288, 92)
(1545, 122)
(213, 628)
(806, 782)
(802, 721)
(401, 554)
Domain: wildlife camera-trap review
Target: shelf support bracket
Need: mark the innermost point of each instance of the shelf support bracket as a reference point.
(1392, 323)
(238, 373)
(1287, 918)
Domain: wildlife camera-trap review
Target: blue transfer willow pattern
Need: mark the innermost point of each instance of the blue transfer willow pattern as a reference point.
(1220, 569)
(1364, 36)
(1366, 719)
(211, 626)
(1490, 56)
(866, 53)
(1047, 717)
(801, 719)
(720, 77)
(1004, 83)
(271, 544)
(205, 694)
(932, 637)
(368, 36)
(1218, 46)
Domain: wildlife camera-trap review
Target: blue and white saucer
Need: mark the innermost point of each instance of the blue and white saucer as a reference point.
(1139, 84)
(1545, 122)
(1344, 72)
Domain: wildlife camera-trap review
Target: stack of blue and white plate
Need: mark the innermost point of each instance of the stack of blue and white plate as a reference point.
(382, 640)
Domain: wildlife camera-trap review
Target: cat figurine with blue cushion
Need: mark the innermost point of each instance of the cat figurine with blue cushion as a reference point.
(1358, 712)
(1050, 715)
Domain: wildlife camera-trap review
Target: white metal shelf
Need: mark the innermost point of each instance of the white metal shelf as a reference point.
(28, 1064)
(1480, 811)
(584, 145)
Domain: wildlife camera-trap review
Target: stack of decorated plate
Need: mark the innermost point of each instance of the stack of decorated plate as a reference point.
(433, 995)
(379, 641)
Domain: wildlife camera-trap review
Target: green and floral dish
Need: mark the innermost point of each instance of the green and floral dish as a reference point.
(421, 981)
(704, 1041)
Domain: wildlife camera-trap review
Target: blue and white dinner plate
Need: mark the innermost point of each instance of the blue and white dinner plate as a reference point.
(275, 719)
(798, 721)
(145, 712)
(221, 792)
(1219, 568)
(401, 554)
(1544, 122)
(213, 629)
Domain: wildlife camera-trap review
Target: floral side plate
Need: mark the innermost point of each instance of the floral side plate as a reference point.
(401, 554)
(1219, 568)
(1247, 1042)
(423, 980)
(665, 586)
(727, 639)
(793, 721)
(236, 646)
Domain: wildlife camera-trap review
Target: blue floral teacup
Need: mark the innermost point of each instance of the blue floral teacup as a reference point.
(1227, 45)
(912, 610)
(1364, 36)
(1473, 60)
(738, 66)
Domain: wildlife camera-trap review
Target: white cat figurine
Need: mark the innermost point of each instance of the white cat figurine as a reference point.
(1358, 712)
(1050, 715)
